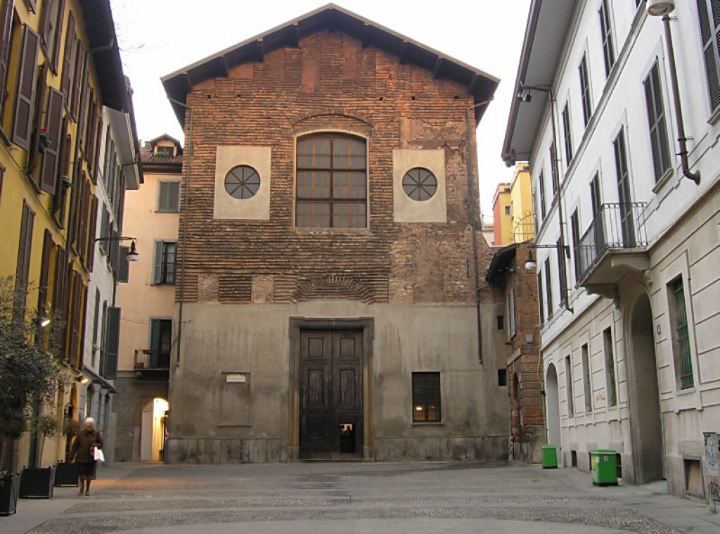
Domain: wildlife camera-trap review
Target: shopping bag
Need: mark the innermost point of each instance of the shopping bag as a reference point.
(99, 456)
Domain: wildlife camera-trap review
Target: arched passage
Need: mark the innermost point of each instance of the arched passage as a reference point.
(552, 409)
(644, 401)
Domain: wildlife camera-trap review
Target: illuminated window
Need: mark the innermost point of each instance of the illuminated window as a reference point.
(426, 397)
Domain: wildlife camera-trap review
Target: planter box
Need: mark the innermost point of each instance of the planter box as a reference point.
(66, 474)
(9, 488)
(37, 482)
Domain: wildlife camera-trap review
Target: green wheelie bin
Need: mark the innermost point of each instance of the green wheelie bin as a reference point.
(549, 457)
(604, 467)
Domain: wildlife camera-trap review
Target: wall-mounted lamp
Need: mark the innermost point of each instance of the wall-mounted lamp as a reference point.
(84, 380)
(43, 321)
(524, 95)
(132, 254)
(658, 8)
(531, 264)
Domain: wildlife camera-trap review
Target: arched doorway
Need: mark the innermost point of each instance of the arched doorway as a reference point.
(644, 401)
(552, 409)
(152, 434)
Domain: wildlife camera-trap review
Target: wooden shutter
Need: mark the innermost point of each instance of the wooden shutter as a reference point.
(96, 155)
(113, 342)
(77, 79)
(55, 45)
(83, 121)
(44, 274)
(59, 294)
(6, 14)
(51, 157)
(23, 262)
(62, 172)
(123, 274)
(39, 105)
(26, 89)
(2, 175)
(91, 235)
(84, 208)
(157, 271)
(115, 253)
(68, 60)
(32, 5)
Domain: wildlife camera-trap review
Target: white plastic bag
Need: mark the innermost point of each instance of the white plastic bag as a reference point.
(99, 456)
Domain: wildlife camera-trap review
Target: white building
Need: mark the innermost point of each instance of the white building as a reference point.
(630, 317)
(118, 170)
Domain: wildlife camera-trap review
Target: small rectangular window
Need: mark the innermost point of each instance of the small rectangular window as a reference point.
(610, 367)
(569, 386)
(426, 397)
(168, 196)
(502, 377)
(680, 334)
(656, 122)
(587, 384)
(501, 322)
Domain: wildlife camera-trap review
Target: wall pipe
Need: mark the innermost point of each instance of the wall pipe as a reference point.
(682, 140)
(473, 216)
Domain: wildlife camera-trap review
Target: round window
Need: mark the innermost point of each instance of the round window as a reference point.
(242, 182)
(419, 184)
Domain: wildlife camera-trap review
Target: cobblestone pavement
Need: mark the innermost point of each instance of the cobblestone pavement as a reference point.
(357, 497)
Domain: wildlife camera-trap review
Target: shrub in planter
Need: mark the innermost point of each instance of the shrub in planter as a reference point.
(9, 486)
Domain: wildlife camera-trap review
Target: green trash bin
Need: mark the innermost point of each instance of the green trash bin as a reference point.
(604, 467)
(549, 457)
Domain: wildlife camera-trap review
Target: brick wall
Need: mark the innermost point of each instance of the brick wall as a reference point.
(329, 83)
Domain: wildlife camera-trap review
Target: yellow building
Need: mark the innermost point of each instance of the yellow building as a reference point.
(59, 66)
(513, 214)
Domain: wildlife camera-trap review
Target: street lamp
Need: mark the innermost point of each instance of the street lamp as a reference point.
(132, 254)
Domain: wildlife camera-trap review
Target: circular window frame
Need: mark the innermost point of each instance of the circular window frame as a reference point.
(416, 184)
(243, 182)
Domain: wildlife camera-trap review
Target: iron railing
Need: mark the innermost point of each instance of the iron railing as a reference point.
(616, 226)
(154, 360)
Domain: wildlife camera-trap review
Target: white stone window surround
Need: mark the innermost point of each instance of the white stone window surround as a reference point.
(406, 210)
(256, 208)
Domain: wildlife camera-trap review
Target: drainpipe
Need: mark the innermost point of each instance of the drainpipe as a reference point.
(682, 140)
(186, 186)
(473, 216)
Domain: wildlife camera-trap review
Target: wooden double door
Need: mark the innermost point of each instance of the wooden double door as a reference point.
(331, 393)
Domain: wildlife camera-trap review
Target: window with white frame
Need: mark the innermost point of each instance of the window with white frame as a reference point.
(709, 14)
(680, 333)
(548, 288)
(511, 314)
(541, 189)
(585, 90)
(607, 39)
(610, 367)
(567, 133)
(587, 385)
(656, 123)
(569, 386)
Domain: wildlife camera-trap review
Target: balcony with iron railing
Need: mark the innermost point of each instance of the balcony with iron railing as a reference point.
(153, 364)
(614, 245)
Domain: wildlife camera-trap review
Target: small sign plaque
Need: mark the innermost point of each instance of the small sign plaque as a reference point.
(237, 379)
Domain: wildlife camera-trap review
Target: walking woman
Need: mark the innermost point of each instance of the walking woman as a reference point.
(82, 453)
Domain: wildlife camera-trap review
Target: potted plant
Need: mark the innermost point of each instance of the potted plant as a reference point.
(45, 140)
(66, 473)
(38, 482)
(29, 369)
(9, 486)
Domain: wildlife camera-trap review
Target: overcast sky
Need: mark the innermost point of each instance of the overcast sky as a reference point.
(158, 37)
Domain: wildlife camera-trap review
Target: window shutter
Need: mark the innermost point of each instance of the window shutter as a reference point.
(44, 274)
(6, 13)
(113, 341)
(157, 272)
(77, 79)
(23, 261)
(96, 148)
(55, 45)
(115, 253)
(2, 175)
(155, 342)
(59, 294)
(163, 194)
(174, 195)
(26, 89)
(68, 63)
(123, 275)
(104, 228)
(48, 171)
(91, 235)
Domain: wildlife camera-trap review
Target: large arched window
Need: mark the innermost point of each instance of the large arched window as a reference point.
(331, 182)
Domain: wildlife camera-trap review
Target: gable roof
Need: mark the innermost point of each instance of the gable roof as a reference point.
(329, 18)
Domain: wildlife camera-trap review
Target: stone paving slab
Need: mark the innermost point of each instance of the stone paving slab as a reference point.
(357, 498)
